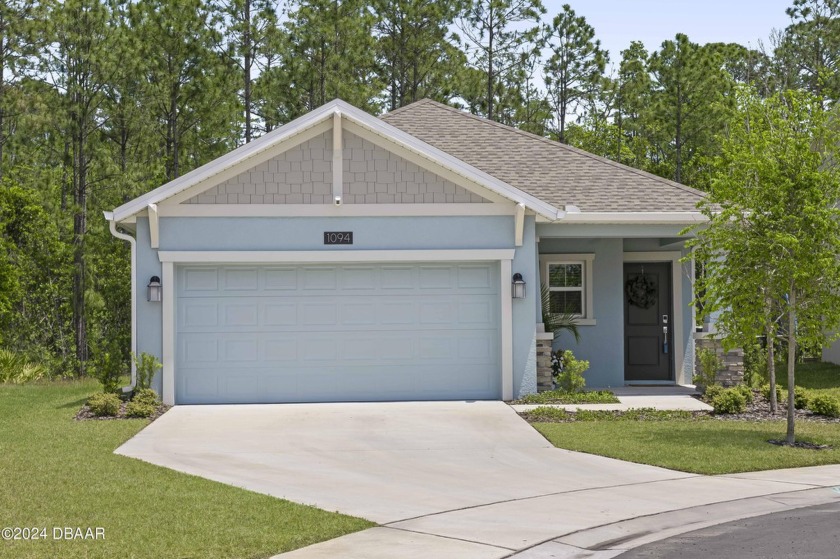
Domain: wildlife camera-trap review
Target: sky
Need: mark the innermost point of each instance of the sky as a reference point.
(617, 22)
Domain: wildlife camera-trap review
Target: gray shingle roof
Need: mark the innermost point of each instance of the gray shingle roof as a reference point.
(556, 173)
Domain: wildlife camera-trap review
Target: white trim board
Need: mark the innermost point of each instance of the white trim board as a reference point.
(331, 210)
(676, 290)
(323, 256)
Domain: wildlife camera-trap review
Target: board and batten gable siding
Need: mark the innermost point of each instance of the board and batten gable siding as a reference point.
(303, 175)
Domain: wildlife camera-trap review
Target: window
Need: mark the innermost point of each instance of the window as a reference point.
(568, 278)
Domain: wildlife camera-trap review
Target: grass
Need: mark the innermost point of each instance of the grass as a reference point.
(561, 397)
(817, 378)
(702, 447)
(58, 472)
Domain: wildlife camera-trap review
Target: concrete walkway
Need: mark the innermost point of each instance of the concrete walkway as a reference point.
(457, 479)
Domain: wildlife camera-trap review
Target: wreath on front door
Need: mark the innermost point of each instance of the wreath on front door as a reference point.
(641, 291)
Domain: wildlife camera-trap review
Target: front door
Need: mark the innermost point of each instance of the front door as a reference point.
(648, 322)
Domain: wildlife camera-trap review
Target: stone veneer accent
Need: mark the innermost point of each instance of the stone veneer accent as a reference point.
(545, 380)
(303, 175)
(732, 372)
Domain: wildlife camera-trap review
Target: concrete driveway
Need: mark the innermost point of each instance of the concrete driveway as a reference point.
(381, 461)
(457, 479)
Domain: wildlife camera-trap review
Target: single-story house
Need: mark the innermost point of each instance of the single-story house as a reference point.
(347, 257)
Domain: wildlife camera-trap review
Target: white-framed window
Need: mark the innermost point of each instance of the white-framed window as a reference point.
(568, 278)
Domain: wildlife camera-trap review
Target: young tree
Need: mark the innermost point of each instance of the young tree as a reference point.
(493, 39)
(773, 236)
(575, 66)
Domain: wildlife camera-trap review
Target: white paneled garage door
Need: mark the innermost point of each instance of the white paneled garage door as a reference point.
(326, 333)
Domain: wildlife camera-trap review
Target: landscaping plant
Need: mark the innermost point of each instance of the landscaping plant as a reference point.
(15, 369)
(144, 403)
(710, 364)
(568, 371)
(728, 401)
(828, 406)
(104, 404)
(147, 365)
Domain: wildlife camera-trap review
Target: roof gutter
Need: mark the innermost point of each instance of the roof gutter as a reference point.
(133, 242)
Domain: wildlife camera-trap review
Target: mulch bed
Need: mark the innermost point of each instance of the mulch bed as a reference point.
(801, 444)
(759, 410)
(85, 414)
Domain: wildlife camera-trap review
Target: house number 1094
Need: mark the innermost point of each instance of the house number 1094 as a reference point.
(338, 237)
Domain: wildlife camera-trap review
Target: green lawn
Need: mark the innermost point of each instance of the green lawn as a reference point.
(560, 397)
(702, 447)
(57, 472)
(822, 378)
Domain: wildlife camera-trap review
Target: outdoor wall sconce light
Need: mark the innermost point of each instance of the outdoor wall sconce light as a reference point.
(155, 291)
(518, 286)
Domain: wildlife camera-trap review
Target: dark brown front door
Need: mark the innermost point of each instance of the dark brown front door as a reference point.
(648, 322)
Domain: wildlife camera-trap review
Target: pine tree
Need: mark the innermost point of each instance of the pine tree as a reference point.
(494, 37)
(246, 27)
(188, 89)
(332, 42)
(689, 106)
(415, 49)
(574, 68)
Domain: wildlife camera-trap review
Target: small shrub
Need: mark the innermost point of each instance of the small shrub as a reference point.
(828, 406)
(570, 378)
(710, 364)
(781, 395)
(104, 405)
(711, 391)
(729, 401)
(17, 370)
(144, 403)
(147, 365)
(746, 392)
(801, 398)
(755, 365)
(108, 370)
(546, 413)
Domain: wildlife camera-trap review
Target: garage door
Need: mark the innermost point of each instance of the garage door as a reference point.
(331, 333)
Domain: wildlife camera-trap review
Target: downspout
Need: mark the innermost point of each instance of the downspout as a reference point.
(113, 227)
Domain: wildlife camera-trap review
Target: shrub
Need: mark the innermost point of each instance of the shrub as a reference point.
(828, 406)
(108, 370)
(104, 405)
(746, 392)
(729, 400)
(710, 364)
(17, 370)
(147, 365)
(570, 378)
(781, 395)
(546, 413)
(144, 403)
(755, 365)
(562, 397)
(711, 391)
(801, 398)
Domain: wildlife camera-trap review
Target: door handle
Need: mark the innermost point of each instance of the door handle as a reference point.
(665, 339)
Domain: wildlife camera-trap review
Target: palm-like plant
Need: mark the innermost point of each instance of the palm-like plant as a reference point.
(557, 322)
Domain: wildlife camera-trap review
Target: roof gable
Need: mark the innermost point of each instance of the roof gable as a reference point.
(313, 124)
(556, 173)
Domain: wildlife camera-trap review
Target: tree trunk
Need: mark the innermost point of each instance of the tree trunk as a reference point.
(247, 48)
(791, 365)
(771, 363)
(490, 75)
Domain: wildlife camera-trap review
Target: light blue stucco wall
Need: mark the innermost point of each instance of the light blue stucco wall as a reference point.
(369, 233)
(603, 344)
